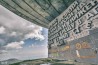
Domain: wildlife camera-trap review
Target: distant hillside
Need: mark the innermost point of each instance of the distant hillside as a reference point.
(9, 61)
(36, 61)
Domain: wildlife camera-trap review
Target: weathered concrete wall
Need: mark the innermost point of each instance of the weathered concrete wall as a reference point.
(74, 34)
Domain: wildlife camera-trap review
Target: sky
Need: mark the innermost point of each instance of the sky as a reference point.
(20, 38)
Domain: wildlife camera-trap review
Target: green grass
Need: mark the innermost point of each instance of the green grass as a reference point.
(42, 61)
(15, 64)
(61, 64)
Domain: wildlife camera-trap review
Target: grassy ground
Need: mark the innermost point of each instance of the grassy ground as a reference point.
(48, 60)
(41, 61)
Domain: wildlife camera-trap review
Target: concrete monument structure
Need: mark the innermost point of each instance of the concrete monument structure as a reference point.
(72, 25)
(73, 35)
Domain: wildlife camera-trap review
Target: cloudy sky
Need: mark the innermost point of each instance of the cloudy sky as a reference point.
(19, 38)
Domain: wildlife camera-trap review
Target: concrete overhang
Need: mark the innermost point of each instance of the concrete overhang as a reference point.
(40, 12)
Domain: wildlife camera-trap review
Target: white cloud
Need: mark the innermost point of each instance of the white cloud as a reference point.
(34, 45)
(4, 51)
(17, 29)
(34, 35)
(24, 54)
(13, 33)
(2, 30)
(15, 45)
